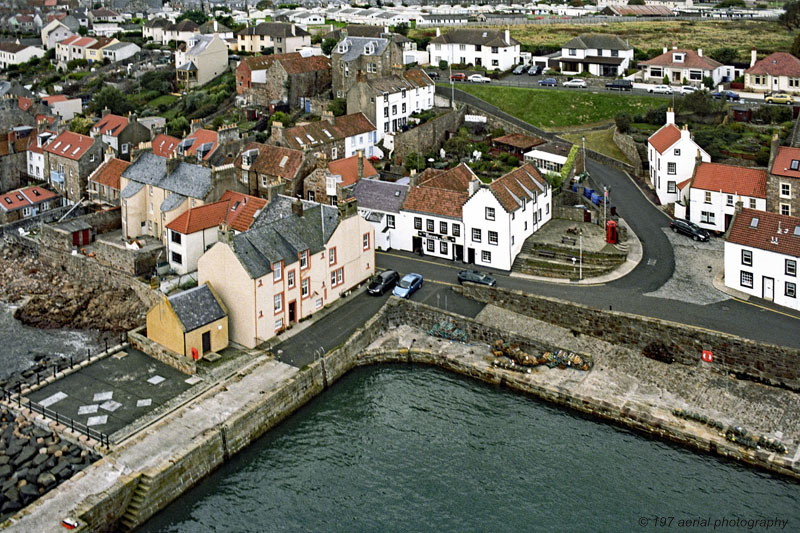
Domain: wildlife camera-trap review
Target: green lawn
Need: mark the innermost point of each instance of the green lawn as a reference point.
(558, 110)
(167, 99)
(600, 141)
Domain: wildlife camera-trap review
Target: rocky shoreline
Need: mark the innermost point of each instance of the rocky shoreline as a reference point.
(33, 461)
(49, 299)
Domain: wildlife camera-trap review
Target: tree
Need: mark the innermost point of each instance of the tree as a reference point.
(264, 4)
(623, 122)
(338, 107)
(725, 55)
(791, 14)
(112, 99)
(195, 15)
(732, 3)
(796, 46)
(635, 2)
(80, 125)
(83, 31)
(177, 126)
(328, 45)
(402, 28)
(576, 3)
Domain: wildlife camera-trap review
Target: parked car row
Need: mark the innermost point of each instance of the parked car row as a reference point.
(407, 285)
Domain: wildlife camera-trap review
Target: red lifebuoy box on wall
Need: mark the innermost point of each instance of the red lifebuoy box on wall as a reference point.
(195, 354)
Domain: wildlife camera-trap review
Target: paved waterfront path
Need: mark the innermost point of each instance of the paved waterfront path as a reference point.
(158, 444)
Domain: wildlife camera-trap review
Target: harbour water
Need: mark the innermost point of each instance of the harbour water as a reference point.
(406, 448)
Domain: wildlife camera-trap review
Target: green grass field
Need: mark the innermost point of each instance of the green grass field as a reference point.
(600, 141)
(167, 99)
(560, 110)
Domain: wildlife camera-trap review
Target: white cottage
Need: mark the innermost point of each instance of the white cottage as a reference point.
(672, 154)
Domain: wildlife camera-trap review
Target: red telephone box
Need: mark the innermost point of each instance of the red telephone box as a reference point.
(611, 232)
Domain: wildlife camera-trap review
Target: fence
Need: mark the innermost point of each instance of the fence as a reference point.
(545, 20)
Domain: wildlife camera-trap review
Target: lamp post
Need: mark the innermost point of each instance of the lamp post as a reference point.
(583, 141)
(605, 202)
(580, 248)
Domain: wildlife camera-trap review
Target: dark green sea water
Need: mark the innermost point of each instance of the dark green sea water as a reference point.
(408, 448)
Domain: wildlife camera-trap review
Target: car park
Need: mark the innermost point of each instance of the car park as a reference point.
(433, 75)
(660, 89)
(383, 282)
(730, 95)
(779, 98)
(476, 276)
(548, 82)
(619, 85)
(479, 78)
(408, 285)
(519, 69)
(689, 228)
(458, 76)
(576, 82)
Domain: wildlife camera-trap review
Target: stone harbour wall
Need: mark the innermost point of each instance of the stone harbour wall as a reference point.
(660, 339)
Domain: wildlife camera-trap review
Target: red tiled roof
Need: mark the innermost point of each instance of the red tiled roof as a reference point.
(164, 145)
(353, 124)
(515, 183)
(24, 103)
(455, 179)
(70, 145)
(519, 140)
(766, 234)
(110, 125)
(83, 42)
(434, 201)
(665, 137)
(69, 40)
(37, 194)
(273, 160)
(8, 141)
(731, 180)
(202, 136)
(46, 118)
(347, 168)
(33, 144)
(691, 60)
(684, 183)
(236, 209)
(52, 99)
(782, 166)
(777, 64)
(13, 200)
(299, 65)
(109, 172)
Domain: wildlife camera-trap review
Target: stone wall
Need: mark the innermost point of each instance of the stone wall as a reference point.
(627, 146)
(138, 340)
(101, 511)
(776, 365)
(11, 165)
(431, 135)
(46, 217)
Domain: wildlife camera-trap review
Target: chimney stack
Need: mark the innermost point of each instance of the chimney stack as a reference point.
(277, 132)
(327, 115)
(360, 156)
(774, 146)
(297, 207)
(438, 32)
(700, 52)
(670, 115)
(172, 163)
(664, 51)
(753, 56)
(508, 37)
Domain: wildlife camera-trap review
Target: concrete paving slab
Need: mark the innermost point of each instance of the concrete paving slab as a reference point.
(50, 400)
(87, 409)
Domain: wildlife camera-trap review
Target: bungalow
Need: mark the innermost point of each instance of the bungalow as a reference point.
(672, 155)
(517, 144)
(710, 196)
(192, 323)
(379, 202)
(682, 66)
(195, 231)
(26, 202)
(599, 54)
(778, 72)
(762, 250)
(297, 258)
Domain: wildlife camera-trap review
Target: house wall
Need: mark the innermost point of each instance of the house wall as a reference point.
(164, 327)
(765, 264)
(711, 215)
(344, 72)
(55, 36)
(505, 57)
(429, 135)
(74, 178)
(219, 337)
(780, 203)
(684, 160)
(67, 109)
(191, 247)
(407, 230)
(769, 83)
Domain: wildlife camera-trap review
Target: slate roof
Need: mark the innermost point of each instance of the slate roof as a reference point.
(109, 172)
(347, 168)
(731, 179)
(665, 137)
(279, 235)
(356, 30)
(196, 307)
(183, 25)
(523, 182)
(599, 41)
(157, 23)
(782, 166)
(765, 235)
(193, 181)
(274, 29)
(70, 145)
(482, 37)
(355, 47)
(111, 125)
(171, 202)
(412, 79)
(380, 195)
(273, 160)
(691, 60)
(208, 27)
(777, 64)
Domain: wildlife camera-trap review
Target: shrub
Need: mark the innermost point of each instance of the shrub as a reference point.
(338, 107)
(623, 122)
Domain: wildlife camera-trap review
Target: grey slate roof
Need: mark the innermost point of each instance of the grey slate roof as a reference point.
(355, 46)
(192, 181)
(131, 189)
(171, 202)
(600, 41)
(274, 29)
(279, 235)
(196, 307)
(380, 195)
(479, 36)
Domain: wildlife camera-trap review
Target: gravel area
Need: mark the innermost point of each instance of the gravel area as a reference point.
(696, 266)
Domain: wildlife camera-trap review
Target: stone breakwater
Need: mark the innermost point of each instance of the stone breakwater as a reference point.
(33, 461)
(50, 298)
(139, 478)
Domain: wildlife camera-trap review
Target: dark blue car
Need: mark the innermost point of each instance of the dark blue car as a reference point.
(408, 285)
(730, 95)
(548, 82)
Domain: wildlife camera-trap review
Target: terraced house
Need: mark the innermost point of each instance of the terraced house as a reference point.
(281, 37)
(333, 137)
(70, 158)
(268, 171)
(364, 58)
(492, 49)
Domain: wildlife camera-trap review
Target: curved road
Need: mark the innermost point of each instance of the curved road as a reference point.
(759, 321)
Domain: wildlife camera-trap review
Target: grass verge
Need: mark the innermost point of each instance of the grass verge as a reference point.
(600, 141)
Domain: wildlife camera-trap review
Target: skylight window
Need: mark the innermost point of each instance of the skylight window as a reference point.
(795, 164)
(57, 145)
(754, 222)
(797, 231)
(284, 159)
(67, 147)
(310, 138)
(76, 150)
(299, 141)
(328, 134)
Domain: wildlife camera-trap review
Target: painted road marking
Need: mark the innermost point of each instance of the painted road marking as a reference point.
(765, 308)
(57, 397)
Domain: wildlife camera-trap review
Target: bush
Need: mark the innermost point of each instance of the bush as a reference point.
(75, 64)
(442, 64)
(623, 122)
(338, 107)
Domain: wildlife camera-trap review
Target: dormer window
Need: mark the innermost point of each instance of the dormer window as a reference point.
(678, 58)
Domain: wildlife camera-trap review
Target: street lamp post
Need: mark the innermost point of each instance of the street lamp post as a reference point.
(605, 202)
(580, 255)
(583, 140)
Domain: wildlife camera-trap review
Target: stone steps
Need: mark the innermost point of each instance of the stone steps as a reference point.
(130, 519)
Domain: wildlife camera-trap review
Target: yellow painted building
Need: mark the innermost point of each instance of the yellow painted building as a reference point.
(192, 323)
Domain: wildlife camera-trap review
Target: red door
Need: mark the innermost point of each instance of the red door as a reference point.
(76, 238)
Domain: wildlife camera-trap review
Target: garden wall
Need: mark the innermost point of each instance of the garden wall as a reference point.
(431, 134)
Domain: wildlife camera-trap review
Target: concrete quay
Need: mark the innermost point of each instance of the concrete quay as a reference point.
(156, 466)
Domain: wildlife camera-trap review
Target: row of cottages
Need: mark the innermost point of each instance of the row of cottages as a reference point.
(93, 49)
(280, 37)
(26, 202)
(120, 134)
(296, 258)
(778, 72)
(156, 190)
(334, 137)
(762, 251)
(16, 53)
(671, 154)
(599, 54)
(205, 58)
(290, 78)
(196, 230)
(685, 66)
(492, 49)
(388, 102)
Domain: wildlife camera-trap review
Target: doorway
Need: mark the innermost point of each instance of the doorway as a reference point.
(416, 245)
(458, 252)
(470, 255)
(728, 219)
(768, 288)
(292, 312)
(206, 342)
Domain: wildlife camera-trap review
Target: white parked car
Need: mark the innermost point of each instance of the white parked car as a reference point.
(660, 89)
(688, 89)
(576, 82)
(477, 78)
